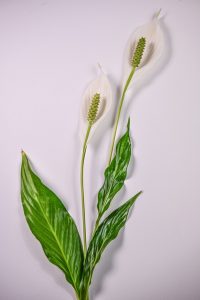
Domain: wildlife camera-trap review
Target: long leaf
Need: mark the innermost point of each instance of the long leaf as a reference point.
(115, 174)
(106, 232)
(52, 225)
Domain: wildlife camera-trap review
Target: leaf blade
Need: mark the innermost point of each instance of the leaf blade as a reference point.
(52, 225)
(115, 174)
(106, 232)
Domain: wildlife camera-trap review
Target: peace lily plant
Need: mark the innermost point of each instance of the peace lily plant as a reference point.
(47, 217)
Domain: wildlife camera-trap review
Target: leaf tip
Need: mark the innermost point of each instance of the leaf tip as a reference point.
(137, 195)
(22, 152)
(24, 156)
(128, 124)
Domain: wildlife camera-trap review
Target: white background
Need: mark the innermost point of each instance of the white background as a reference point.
(48, 54)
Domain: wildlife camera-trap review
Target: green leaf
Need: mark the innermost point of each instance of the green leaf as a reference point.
(115, 174)
(106, 232)
(52, 225)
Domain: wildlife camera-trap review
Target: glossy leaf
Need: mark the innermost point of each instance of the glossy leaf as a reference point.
(106, 232)
(52, 225)
(115, 174)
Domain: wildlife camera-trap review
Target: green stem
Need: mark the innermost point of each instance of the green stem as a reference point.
(119, 112)
(83, 296)
(82, 187)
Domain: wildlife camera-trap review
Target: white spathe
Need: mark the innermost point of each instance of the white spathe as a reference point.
(102, 86)
(153, 52)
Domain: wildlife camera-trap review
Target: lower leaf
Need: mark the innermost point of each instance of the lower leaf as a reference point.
(52, 225)
(106, 232)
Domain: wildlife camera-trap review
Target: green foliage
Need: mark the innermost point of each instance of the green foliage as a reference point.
(106, 232)
(115, 174)
(52, 225)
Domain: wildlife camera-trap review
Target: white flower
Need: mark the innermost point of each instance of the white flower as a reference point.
(101, 86)
(153, 52)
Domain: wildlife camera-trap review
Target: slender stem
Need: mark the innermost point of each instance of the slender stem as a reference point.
(84, 295)
(82, 187)
(119, 112)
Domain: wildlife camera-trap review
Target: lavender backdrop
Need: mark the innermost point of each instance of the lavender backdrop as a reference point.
(48, 54)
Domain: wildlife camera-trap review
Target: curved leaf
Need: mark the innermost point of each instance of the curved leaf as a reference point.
(106, 232)
(115, 174)
(52, 225)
